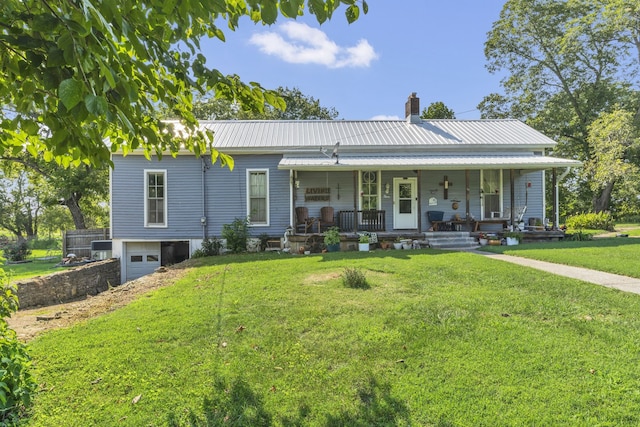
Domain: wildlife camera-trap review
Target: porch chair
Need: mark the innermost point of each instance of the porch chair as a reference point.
(435, 218)
(303, 222)
(327, 218)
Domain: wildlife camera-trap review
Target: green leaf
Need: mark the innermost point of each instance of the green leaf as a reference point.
(96, 104)
(317, 8)
(269, 12)
(289, 8)
(70, 92)
(352, 13)
(106, 72)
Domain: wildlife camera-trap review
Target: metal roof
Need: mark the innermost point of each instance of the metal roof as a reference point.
(381, 135)
(432, 162)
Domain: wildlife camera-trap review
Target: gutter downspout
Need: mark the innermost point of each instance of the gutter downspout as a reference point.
(557, 200)
(203, 219)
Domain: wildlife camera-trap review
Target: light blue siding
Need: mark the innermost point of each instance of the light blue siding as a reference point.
(227, 195)
(183, 188)
(224, 195)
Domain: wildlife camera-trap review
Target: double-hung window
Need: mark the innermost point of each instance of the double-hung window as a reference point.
(258, 196)
(155, 198)
(370, 190)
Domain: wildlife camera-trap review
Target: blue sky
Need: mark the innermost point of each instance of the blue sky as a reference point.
(368, 69)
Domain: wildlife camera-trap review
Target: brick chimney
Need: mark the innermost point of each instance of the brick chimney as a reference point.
(412, 109)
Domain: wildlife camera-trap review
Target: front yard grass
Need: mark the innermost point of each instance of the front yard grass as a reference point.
(439, 339)
(614, 255)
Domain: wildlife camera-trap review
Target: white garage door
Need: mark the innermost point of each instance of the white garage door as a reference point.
(142, 258)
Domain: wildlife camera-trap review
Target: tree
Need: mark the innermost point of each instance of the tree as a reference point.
(298, 107)
(564, 61)
(79, 80)
(437, 110)
(20, 204)
(82, 79)
(614, 140)
(82, 189)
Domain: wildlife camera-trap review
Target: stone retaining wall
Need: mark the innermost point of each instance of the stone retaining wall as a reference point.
(69, 285)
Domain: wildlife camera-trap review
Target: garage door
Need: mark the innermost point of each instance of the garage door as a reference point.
(142, 259)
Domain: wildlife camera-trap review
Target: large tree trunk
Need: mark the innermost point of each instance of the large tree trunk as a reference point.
(601, 202)
(76, 212)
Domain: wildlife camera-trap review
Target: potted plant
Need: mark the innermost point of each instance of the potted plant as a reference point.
(385, 244)
(407, 244)
(332, 239)
(512, 237)
(363, 243)
(482, 239)
(493, 240)
(397, 244)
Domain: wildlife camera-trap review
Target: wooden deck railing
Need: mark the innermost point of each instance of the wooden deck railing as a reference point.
(367, 220)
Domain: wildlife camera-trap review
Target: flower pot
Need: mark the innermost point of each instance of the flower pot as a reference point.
(363, 247)
(397, 245)
(406, 246)
(483, 242)
(512, 241)
(334, 247)
(494, 242)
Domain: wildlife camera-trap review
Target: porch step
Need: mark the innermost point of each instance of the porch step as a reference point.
(451, 240)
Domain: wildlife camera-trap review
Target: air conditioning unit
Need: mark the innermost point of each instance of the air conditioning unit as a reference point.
(101, 249)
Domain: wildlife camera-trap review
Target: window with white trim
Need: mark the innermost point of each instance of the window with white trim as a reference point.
(155, 198)
(258, 196)
(369, 190)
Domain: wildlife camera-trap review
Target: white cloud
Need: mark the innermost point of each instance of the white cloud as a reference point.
(299, 43)
(383, 117)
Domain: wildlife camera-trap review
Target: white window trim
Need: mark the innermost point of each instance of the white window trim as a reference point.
(379, 195)
(248, 195)
(146, 195)
(501, 179)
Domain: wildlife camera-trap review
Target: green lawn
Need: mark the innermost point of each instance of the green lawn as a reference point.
(37, 267)
(439, 339)
(613, 255)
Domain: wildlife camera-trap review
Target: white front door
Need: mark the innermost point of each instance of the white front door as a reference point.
(405, 203)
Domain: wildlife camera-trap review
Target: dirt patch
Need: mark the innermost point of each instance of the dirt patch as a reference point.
(30, 322)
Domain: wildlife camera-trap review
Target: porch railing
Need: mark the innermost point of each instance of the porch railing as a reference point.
(367, 220)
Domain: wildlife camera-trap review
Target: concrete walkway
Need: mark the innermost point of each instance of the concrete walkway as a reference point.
(623, 283)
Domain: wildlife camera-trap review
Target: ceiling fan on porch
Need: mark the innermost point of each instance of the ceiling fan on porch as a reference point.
(334, 153)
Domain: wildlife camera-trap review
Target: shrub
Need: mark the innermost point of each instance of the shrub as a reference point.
(236, 234)
(629, 218)
(18, 251)
(354, 278)
(580, 236)
(47, 243)
(593, 221)
(211, 246)
(16, 383)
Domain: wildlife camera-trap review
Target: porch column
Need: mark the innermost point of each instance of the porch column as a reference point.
(467, 198)
(556, 202)
(294, 194)
(419, 201)
(512, 183)
(355, 201)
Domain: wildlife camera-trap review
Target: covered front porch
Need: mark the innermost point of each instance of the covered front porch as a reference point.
(412, 195)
